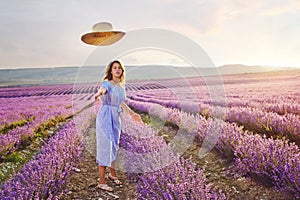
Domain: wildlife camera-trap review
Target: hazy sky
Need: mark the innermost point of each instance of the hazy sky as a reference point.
(46, 33)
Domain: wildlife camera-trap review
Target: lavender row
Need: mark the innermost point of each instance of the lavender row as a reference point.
(44, 112)
(33, 90)
(270, 96)
(50, 90)
(21, 136)
(163, 175)
(279, 104)
(276, 159)
(17, 109)
(180, 180)
(43, 115)
(46, 176)
(269, 123)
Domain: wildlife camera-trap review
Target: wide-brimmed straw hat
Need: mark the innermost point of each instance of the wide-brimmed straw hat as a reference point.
(102, 34)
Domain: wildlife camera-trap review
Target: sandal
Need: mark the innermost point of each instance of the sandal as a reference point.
(105, 187)
(114, 179)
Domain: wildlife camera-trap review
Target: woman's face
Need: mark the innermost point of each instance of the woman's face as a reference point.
(116, 70)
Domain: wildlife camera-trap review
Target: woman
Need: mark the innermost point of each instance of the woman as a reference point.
(108, 121)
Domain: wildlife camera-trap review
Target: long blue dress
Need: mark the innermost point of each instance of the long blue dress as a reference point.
(108, 124)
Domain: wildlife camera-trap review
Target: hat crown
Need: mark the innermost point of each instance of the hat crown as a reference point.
(102, 26)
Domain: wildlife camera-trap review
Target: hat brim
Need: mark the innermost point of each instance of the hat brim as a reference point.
(102, 38)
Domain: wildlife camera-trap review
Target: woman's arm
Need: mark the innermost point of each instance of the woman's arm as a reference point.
(100, 92)
(134, 115)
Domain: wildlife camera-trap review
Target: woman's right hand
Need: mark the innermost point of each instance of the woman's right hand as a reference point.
(99, 93)
(97, 97)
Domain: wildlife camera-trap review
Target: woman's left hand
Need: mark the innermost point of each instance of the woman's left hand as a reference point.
(137, 118)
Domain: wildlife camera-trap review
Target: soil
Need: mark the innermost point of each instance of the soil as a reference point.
(220, 174)
(83, 184)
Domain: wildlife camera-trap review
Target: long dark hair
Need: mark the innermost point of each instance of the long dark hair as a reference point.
(108, 74)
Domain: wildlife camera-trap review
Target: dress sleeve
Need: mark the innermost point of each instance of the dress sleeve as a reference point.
(105, 85)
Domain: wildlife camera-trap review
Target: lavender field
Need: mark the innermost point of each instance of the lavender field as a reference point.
(252, 120)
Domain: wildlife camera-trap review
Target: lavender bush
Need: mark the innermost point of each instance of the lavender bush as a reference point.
(180, 180)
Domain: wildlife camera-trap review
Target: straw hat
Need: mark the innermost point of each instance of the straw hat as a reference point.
(102, 34)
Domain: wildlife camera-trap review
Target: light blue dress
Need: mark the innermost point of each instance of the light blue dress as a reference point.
(108, 124)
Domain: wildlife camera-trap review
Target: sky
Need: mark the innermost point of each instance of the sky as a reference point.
(46, 33)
